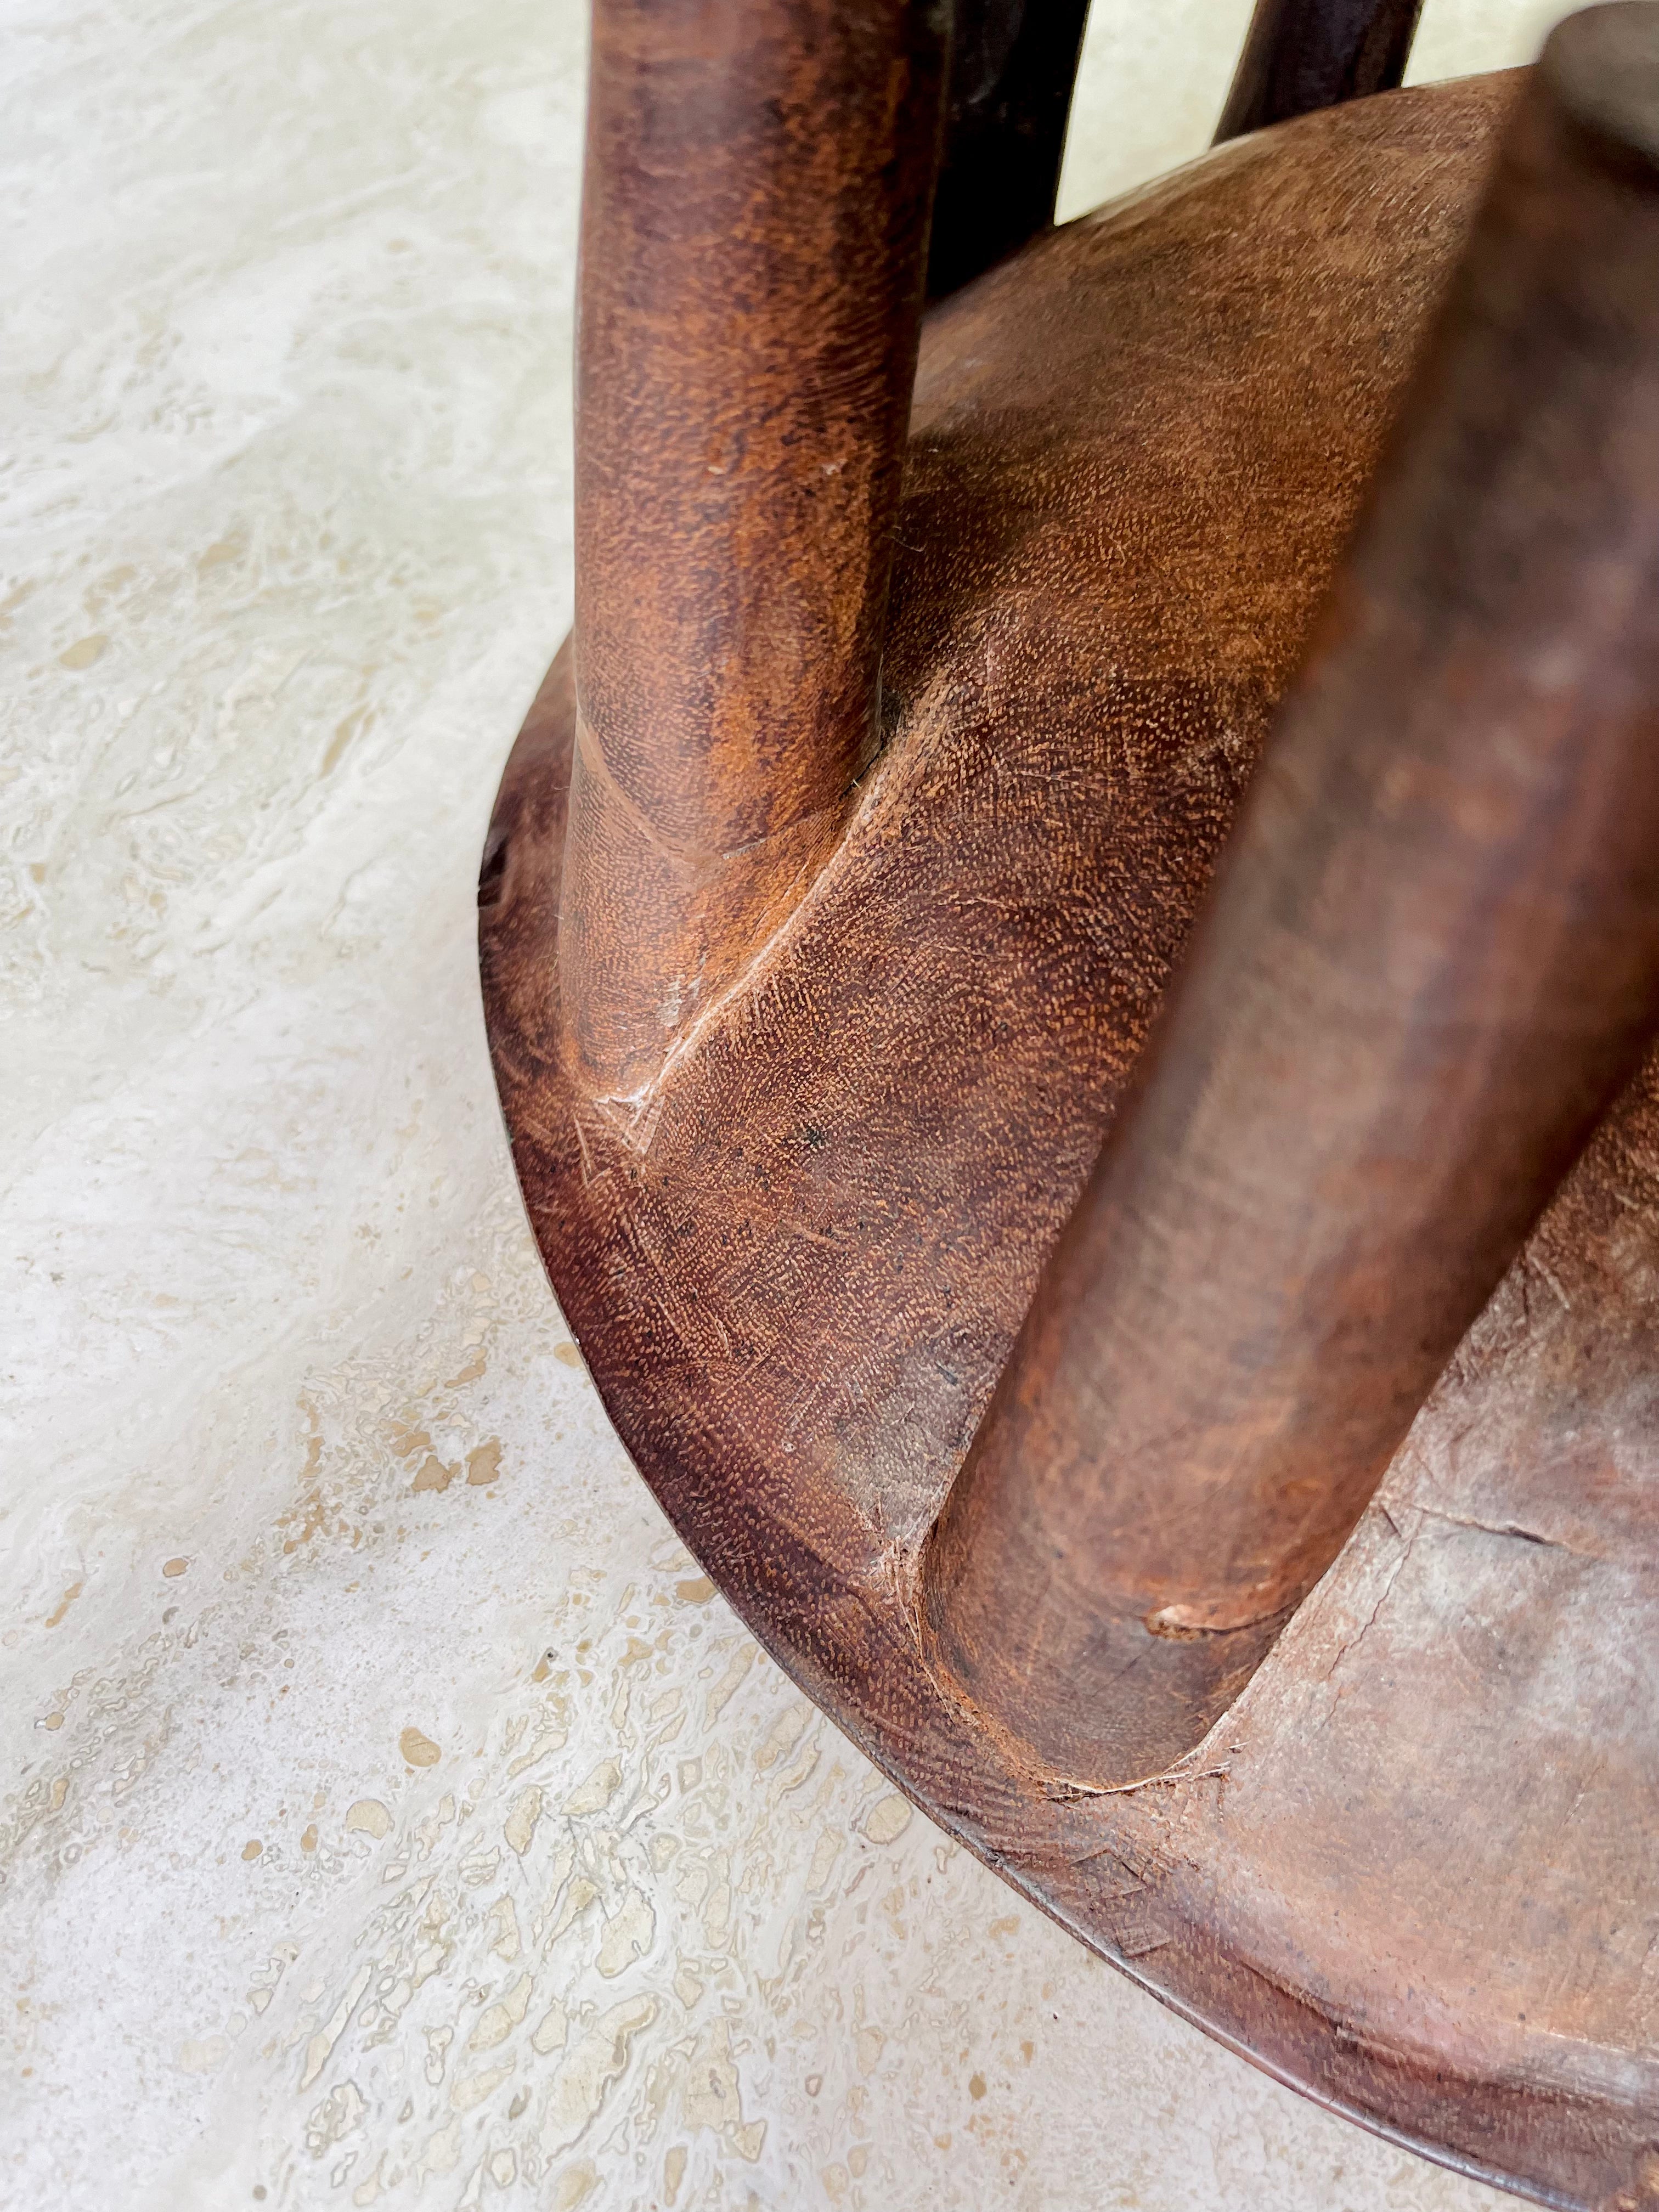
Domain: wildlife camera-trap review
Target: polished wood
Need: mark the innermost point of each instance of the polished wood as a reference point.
(1430, 961)
(1408, 1870)
(1013, 63)
(753, 244)
(1301, 55)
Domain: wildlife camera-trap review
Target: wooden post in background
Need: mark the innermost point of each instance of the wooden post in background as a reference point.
(1013, 69)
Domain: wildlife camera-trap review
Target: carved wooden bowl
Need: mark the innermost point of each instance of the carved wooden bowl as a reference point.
(1407, 1871)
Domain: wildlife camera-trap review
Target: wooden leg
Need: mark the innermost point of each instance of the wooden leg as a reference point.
(1013, 68)
(1431, 958)
(753, 232)
(1300, 55)
(1412, 1873)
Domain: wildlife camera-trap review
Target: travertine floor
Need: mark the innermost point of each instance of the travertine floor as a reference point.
(394, 1816)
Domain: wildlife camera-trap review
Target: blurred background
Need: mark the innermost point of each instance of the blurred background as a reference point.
(391, 1814)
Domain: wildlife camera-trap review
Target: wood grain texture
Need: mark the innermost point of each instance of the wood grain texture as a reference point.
(1302, 54)
(1430, 961)
(797, 1279)
(753, 245)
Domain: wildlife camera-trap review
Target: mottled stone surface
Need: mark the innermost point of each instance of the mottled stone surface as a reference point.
(392, 1813)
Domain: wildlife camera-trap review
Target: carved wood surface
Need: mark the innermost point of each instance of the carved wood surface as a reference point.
(1429, 964)
(1407, 1871)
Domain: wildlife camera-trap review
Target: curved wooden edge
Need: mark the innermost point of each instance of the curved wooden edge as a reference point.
(1302, 55)
(821, 1598)
(1429, 963)
(795, 1301)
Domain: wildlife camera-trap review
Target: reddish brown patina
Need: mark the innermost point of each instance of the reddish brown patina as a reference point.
(753, 251)
(1391, 1841)
(1431, 960)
